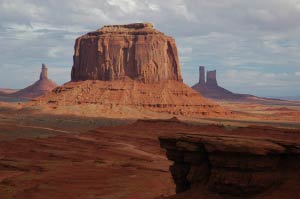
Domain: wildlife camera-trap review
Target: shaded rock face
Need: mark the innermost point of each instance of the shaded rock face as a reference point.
(137, 51)
(232, 165)
(211, 78)
(202, 75)
(44, 72)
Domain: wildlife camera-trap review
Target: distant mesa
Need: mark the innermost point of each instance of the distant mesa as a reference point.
(127, 70)
(211, 89)
(39, 88)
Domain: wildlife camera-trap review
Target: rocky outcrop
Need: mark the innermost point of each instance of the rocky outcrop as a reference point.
(39, 88)
(211, 89)
(211, 78)
(128, 71)
(237, 166)
(137, 51)
(44, 73)
(169, 97)
(202, 75)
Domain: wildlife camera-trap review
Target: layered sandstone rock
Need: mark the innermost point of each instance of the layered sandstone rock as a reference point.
(236, 166)
(128, 71)
(137, 51)
(111, 98)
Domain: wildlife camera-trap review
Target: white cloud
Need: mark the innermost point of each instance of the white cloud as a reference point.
(127, 6)
(154, 7)
(260, 83)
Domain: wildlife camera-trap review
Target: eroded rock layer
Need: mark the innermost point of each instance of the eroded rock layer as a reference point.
(137, 51)
(127, 71)
(170, 97)
(233, 165)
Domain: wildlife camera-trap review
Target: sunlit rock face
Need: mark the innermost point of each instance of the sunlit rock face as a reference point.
(127, 71)
(137, 51)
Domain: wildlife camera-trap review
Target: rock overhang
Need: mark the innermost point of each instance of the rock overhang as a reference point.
(231, 164)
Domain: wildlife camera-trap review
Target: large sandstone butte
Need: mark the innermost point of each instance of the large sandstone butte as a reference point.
(39, 88)
(127, 70)
(137, 51)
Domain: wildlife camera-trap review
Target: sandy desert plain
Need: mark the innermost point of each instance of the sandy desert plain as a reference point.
(97, 137)
(64, 156)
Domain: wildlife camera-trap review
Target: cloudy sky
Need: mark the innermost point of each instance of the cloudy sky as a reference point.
(254, 45)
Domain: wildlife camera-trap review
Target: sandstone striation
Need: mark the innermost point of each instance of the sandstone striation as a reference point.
(129, 98)
(137, 51)
(234, 165)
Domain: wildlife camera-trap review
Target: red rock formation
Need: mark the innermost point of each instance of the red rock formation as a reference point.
(211, 89)
(39, 88)
(111, 97)
(137, 51)
(211, 78)
(132, 67)
(44, 72)
(234, 165)
(202, 75)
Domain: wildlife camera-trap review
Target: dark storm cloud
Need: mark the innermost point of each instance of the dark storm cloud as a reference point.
(254, 45)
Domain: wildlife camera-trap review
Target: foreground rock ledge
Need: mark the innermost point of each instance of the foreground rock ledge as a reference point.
(233, 165)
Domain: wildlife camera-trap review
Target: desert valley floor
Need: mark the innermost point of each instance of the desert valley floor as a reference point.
(61, 156)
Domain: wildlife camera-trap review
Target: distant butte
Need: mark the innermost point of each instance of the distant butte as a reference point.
(211, 89)
(127, 70)
(39, 88)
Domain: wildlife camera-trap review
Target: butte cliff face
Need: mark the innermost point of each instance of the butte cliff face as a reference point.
(39, 88)
(137, 51)
(127, 71)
